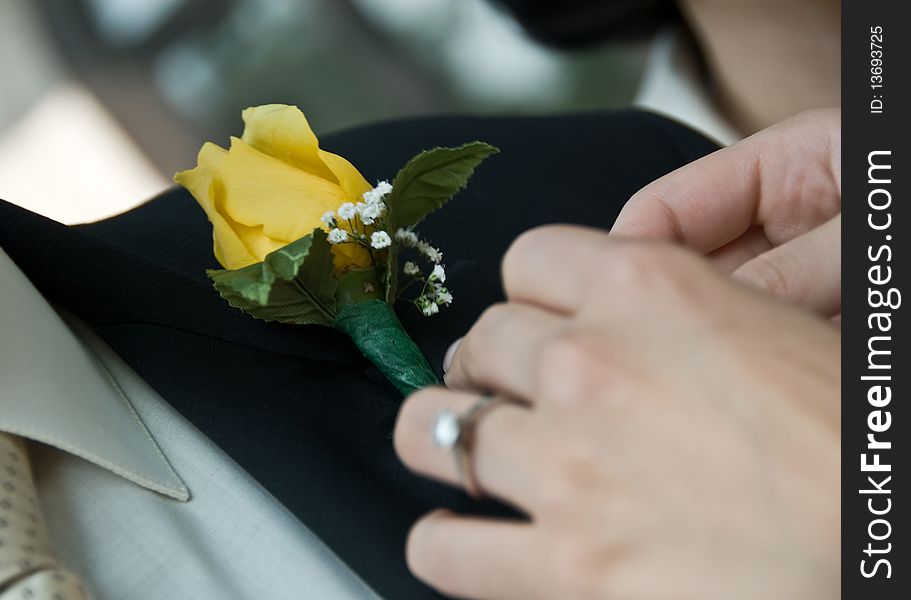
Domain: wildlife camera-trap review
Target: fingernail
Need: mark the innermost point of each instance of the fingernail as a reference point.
(447, 359)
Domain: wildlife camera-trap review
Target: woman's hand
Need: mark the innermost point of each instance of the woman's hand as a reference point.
(678, 435)
(767, 209)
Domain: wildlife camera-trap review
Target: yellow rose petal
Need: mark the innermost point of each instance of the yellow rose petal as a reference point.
(230, 251)
(349, 177)
(260, 190)
(272, 187)
(256, 241)
(282, 132)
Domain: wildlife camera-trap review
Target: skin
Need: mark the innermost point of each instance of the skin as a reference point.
(769, 59)
(673, 430)
(766, 210)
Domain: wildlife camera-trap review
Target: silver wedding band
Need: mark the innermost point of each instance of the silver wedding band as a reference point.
(457, 433)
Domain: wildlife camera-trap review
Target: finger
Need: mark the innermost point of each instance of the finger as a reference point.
(732, 255)
(551, 266)
(806, 270)
(475, 558)
(499, 352)
(785, 178)
(565, 268)
(500, 451)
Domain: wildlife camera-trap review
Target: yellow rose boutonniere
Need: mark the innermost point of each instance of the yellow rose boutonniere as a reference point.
(304, 239)
(271, 187)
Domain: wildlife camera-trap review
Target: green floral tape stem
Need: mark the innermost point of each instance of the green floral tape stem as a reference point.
(379, 335)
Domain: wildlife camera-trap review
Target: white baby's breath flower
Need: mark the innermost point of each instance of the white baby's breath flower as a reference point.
(406, 237)
(438, 274)
(328, 218)
(370, 212)
(359, 207)
(376, 195)
(383, 187)
(380, 240)
(432, 254)
(444, 297)
(430, 309)
(337, 236)
(410, 268)
(372, 197)
(347, 211)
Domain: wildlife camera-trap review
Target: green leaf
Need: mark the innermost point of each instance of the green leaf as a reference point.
(294, 284)
(431, 179)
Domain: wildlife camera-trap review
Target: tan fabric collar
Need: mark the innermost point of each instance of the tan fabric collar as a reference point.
(55, 390)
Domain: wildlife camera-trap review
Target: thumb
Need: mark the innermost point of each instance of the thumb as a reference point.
(805, 270)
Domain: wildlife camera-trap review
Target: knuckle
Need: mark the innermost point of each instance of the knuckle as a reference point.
(566, 365)
(663, 271)
(580, 472)
(642, 263)
(531, 238)
(580, 565)
(574, 471)
(521, 247)
(527, 245)
(492, 316)
(478, 358)
(473, 363)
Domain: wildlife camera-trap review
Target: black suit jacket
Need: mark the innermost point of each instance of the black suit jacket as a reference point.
(298, 407)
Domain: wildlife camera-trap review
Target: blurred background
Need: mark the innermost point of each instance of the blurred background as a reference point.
(103, 100)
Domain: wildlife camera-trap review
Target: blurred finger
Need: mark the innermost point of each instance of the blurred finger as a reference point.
(551, 266)
(499, 352)
(500, 452)
(476, 558)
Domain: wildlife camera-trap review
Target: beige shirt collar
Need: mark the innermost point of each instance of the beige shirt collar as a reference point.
(53, 389)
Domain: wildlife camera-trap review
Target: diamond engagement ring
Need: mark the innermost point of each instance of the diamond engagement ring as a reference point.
(456, 432)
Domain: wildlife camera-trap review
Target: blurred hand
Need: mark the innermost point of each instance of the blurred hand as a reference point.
(766, 209)
(677, 434)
